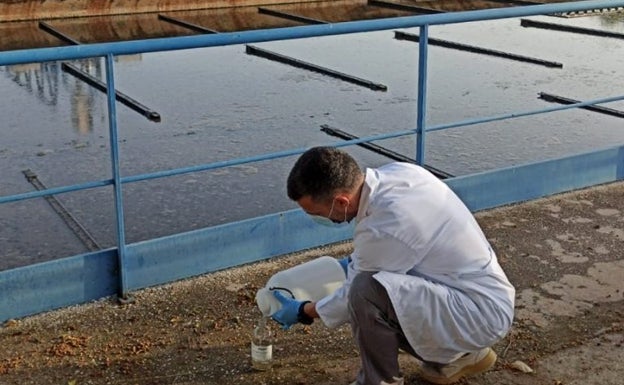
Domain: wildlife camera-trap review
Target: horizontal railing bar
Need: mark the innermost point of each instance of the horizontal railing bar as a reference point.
(333, 131)
(259, 158)
(522, 114)
(216, 165)
(55, 191)
(263, 35)
(287, 153)
(563, 100)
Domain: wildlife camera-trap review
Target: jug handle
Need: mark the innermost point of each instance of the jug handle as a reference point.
(284, 289)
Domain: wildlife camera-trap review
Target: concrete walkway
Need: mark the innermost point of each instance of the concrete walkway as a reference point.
(565, 255)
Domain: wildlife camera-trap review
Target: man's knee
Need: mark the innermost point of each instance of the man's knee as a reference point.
(364, 290)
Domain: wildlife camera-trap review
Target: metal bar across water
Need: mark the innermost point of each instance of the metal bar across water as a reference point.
(563, 100)
(290, 16)
(185, 24)
(261, 52)
(403, 7)
(121, 97)
(96, 83)
(274, 56)
(58, 34)
(569, 28)
(399, 35)
(76, 227)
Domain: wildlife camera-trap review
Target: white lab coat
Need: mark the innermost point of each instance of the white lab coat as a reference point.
(448, 290)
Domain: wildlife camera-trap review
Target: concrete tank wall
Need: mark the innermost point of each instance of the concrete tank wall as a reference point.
(21, 10)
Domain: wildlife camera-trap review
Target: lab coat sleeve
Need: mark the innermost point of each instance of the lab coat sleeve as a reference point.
(374, 253)
(333, 309)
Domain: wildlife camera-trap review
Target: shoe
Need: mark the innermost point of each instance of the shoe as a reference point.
(395, 381)
(468, 365)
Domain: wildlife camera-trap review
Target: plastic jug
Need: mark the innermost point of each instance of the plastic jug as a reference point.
(309, 281)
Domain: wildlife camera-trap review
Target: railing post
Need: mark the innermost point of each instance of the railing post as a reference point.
(422, 94)
(114, 144)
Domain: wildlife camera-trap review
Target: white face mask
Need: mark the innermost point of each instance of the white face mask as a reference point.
(325, 221)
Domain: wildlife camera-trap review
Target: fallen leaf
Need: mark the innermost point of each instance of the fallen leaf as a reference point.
(521, 366)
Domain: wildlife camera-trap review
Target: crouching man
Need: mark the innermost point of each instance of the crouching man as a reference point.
(422, 278)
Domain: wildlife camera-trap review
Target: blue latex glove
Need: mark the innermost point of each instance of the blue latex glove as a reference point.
(288, 314)
(344, 262)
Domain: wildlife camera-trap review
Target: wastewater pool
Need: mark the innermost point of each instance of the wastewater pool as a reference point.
(220, 103)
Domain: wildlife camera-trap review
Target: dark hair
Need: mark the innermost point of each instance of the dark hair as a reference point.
(320, 172)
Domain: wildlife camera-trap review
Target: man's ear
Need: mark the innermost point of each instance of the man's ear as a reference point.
(343, 200)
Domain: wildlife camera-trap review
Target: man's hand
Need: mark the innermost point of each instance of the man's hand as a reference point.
(288, 314)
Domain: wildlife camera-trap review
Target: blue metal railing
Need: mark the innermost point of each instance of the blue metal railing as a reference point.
(109, 50)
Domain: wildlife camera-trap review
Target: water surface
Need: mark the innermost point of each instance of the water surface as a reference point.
(220, 103)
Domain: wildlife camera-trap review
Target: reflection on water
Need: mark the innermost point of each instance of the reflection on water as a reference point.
(39, 79)
(43, 81)
(81, 111)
